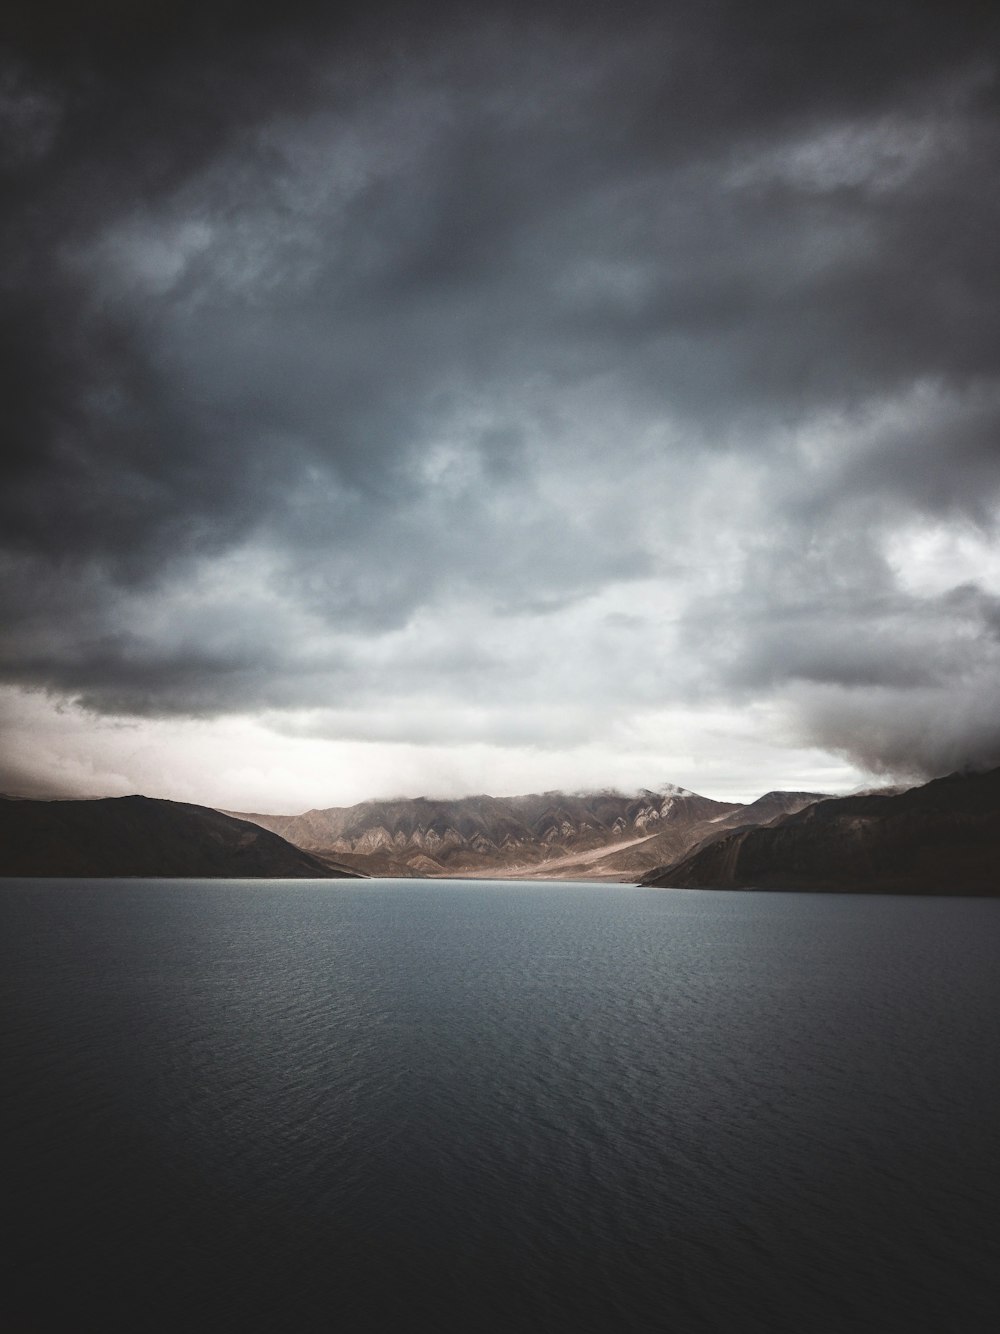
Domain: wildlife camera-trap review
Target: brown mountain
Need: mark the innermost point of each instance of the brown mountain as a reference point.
(594, 835)
(769, 807)
(140, 836)
(942, 838)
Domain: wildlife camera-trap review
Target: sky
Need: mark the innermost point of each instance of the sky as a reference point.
(409, 400)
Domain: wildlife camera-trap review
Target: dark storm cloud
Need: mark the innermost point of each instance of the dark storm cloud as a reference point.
(864, 625)
(318, 321)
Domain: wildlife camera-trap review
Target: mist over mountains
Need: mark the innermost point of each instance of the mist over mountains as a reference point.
(593, 835)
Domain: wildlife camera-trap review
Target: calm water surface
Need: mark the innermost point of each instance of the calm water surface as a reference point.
(395, 1105)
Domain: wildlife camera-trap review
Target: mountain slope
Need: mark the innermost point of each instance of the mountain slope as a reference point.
(141, 836)
(483, 833)
(593, 835)
(678, 839)
(769, 807)
(942, 838)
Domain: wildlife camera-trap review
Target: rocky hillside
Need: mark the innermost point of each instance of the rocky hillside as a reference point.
(942, 838)
(140, 836)
(595, 835)
(769, 807)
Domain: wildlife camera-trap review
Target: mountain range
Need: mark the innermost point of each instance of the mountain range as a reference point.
(603, 835)
(941, 838)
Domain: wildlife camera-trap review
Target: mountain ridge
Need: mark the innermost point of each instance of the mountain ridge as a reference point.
(146, 836)
(941, 837)
(601, 834)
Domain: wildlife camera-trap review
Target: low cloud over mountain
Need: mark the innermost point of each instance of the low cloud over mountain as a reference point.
(548, 835)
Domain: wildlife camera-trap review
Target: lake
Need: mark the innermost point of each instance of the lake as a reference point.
(312, 1105)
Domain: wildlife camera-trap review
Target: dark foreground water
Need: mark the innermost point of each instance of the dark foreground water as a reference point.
(467, 1106)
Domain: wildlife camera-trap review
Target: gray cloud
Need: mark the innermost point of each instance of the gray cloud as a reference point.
(334, 341)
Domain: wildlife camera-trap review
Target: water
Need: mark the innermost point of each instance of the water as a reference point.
(473, 1106)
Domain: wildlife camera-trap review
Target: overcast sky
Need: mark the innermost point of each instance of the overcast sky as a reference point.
(497, 398)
